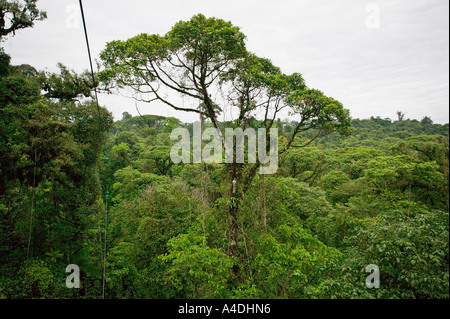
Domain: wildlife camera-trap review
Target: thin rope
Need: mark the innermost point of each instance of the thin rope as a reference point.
(104, 250)
(89, 54)
(33, 207)
(264, 201)
(98, 111)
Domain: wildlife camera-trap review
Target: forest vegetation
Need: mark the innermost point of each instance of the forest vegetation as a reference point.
(348, 193)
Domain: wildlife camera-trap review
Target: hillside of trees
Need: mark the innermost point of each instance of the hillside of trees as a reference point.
(368, 192)
(378, 196)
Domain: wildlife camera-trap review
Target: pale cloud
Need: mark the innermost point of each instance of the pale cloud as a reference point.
(402, 65)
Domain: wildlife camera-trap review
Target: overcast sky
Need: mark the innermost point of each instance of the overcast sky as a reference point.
(376, 57)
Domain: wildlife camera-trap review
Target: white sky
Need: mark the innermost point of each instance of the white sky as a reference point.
(376, 57)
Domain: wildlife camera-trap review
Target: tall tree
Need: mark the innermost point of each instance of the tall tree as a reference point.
(205, 60)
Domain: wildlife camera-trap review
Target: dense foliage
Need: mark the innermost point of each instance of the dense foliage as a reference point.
(49, 183)
(377, 194)
(333, 208)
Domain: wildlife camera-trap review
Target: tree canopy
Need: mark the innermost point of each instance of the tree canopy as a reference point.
(18, 14)
(348, 193)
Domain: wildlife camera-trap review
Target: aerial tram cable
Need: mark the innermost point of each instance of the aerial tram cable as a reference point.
(106, 159)
(89, 54)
